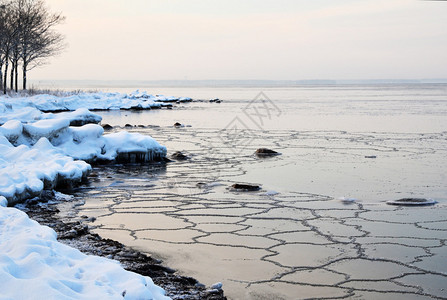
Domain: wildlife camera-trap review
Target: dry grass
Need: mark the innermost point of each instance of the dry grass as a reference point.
(33, 91)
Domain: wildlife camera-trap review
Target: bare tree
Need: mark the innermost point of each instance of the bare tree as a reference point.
(8, 36)
(27, 37)
(2, 38)
(38, 39)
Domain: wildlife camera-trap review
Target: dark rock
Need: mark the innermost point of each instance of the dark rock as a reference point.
(138, 157)
(141, 126)
(246, 187)
(200, 285)
(78, 123)
(370, 156)
(266, 152)
(179, 156)
(107, 127)
(128, 126)
(214, 294)
(177, 124)
(412, 202)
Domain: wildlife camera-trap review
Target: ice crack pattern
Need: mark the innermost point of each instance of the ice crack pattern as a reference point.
(299, 243)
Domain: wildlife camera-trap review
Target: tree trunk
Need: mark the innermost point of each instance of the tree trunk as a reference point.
(16, 75)
(11, 86)
(5, 79)
(1, 77)
(24, 67)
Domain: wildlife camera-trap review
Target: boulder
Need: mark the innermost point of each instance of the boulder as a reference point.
(107, 127)
(266, 152)
(245, 187)
(179, 156)
(412, 202)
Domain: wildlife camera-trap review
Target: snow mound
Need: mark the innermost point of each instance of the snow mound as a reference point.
(33, 262)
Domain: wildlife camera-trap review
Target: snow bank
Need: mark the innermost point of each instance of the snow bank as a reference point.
(33, 262)
(44, 150)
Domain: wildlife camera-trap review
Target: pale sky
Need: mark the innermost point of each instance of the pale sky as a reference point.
(250, 39)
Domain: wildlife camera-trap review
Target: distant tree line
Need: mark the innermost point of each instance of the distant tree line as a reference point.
(27, 39)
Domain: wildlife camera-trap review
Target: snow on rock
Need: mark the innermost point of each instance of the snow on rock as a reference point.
(11, 130)
(88, 143)
(45, 128)
(80, 116)
(124, 143)
(50, 153)
(41, 150)
(22, 114)
(25, 171)
(33, 262)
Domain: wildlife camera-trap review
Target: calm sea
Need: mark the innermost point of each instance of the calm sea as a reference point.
(294, 238)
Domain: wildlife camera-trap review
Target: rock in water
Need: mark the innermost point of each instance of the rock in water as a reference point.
(107, 127)
(179, 156)
(266, 152)
(245, 187)
(412, 202)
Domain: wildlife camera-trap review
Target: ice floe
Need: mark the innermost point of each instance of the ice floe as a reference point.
(347, 200)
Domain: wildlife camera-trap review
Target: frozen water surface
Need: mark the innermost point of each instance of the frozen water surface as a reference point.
(371, 144)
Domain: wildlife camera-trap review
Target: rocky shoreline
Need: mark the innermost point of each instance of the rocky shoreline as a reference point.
(78, 235)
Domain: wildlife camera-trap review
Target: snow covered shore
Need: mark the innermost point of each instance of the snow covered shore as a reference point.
(91, 101)
(39, 151)
(34, 265)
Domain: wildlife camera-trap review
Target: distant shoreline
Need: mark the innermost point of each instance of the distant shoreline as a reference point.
(223, 83)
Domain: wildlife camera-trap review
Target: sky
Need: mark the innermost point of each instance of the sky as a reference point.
(249, 40)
